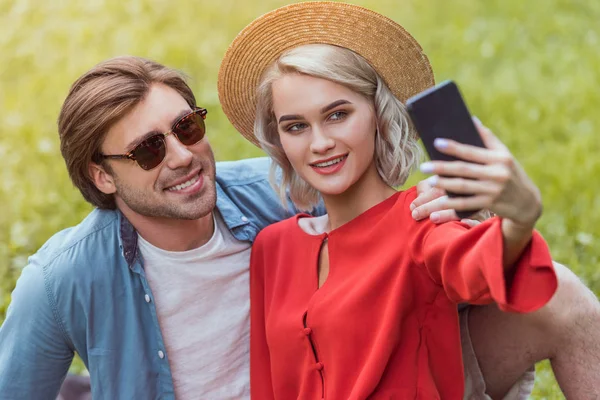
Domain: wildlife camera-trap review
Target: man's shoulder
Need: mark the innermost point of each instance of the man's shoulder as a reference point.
(241, 172)
(60, 278)
(76, 246)
(243, 188)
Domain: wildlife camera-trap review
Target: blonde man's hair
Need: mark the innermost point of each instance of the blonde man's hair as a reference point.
(96, 101)
(396, 149)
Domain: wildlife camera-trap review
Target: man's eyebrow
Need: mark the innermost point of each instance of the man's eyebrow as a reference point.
(334, 105)
(147, 135)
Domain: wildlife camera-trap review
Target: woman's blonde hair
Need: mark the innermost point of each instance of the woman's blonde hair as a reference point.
(396, 149)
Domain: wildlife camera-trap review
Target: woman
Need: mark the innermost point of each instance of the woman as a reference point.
(361, 302)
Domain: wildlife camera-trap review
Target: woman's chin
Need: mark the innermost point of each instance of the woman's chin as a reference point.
(331, 190)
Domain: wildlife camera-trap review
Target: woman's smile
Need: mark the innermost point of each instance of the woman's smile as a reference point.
(330, 165)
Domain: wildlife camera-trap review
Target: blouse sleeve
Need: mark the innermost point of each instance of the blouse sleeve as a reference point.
(260, 362)
(468, 264)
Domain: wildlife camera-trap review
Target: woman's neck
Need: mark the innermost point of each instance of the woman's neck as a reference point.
(367, 192)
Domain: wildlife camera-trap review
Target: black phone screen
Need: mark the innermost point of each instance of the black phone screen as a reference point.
(440, 112)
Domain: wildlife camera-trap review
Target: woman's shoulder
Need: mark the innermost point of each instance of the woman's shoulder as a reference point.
(400, 217)
(278, 231)
(402, 205)
(408, 195)
(277, 243)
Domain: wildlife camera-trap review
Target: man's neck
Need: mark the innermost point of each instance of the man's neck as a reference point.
(173, 234)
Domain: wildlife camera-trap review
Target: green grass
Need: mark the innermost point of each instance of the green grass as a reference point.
(530, 73)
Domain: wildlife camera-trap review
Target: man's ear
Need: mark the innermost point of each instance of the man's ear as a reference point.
(102, 179)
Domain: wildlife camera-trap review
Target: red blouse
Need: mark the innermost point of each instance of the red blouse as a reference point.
(384, 325)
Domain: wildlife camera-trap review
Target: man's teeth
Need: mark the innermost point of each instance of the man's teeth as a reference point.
(185, 184)
(330, 162)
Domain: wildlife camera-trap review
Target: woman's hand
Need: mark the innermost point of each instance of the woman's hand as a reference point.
(492, 176)
(429, 203)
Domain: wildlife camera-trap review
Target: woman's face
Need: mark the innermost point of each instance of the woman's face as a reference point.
(327, 132)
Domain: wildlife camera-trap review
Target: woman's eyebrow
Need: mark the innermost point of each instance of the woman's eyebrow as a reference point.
(334, 105)
(289, 118)
(294, 117)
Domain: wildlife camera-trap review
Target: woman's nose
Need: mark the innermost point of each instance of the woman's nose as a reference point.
(321, 142)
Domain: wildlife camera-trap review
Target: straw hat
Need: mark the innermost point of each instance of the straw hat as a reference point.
(392, 51)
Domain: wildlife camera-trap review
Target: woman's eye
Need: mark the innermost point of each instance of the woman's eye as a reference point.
(295, 127)
(336, 116)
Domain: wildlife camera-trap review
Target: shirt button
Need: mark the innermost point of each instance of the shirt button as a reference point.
(147, 298)
(244, 218)
(161, 355)
(307, 331)
(319, 366)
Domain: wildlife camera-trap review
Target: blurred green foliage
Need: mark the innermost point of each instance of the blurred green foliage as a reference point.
(530, 72)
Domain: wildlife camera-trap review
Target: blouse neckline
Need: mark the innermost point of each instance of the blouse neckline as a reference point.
(365, 215)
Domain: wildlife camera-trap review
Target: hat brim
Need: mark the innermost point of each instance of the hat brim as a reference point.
(387, 46)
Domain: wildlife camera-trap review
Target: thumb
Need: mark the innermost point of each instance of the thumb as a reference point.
(489, 139)
(471, 222)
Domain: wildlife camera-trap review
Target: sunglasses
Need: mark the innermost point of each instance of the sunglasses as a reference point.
(150, 153)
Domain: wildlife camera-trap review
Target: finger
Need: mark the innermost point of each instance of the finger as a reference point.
(477, 121)
(440, 217)
(425, 197)
(424, 210)
(467, 203)
(470, 153)
(471, 222)
(495, 172)
(423, 187)
(482, 215)
(489, 139)
(466, 186)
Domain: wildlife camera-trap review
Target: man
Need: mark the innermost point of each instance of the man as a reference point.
(151, 288)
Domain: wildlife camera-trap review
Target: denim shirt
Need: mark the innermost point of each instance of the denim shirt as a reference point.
(85, 291)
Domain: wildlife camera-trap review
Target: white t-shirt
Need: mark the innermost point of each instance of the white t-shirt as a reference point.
(202, 300)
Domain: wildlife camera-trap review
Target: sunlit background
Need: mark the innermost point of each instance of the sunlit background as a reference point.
(529, 69)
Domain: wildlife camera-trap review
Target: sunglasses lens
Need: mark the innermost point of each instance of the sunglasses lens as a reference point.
(150, 152)
(190, 130)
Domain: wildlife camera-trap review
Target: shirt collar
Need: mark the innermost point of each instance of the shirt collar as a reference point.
(128, 237)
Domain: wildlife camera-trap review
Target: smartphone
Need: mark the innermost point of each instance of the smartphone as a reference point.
(440, 112)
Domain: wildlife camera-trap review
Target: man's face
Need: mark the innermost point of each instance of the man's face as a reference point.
(183, 185)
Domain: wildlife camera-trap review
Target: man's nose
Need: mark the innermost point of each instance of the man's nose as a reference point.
(178, 154)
